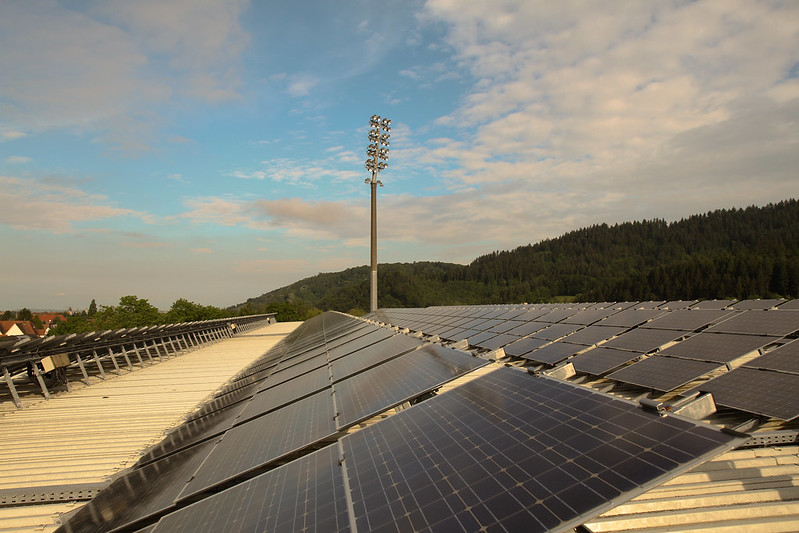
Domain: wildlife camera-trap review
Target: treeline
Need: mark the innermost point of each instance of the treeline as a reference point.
(133, 312)
(735, 253)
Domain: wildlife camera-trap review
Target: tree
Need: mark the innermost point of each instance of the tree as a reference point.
(92, 308)
(8, 315)
(24, 314)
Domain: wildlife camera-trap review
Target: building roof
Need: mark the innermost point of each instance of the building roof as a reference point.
(487, 416)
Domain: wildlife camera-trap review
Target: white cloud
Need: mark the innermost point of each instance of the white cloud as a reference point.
(657, 101)
(97, 65)
(16, 160)
(35, 205)
(302, 172)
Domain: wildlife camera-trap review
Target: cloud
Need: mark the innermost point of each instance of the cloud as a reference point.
(10, 135)
(656, 101)
(202, 250)
(17, 160)
(99, 65)
(302, 172)
(271, 266)
(34, 205)
(144, 244)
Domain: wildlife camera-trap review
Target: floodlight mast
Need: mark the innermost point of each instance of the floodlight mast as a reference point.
(377, 150)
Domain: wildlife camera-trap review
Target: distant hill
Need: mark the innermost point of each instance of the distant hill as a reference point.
(735, 253)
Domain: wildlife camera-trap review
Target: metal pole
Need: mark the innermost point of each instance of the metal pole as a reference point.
(373, 306)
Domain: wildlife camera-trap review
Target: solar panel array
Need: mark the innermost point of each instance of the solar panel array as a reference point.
(659, 346)
(286, 446)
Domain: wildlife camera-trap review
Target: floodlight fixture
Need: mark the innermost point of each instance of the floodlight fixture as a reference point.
(377, 151)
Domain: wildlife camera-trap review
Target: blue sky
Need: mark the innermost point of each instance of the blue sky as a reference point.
(215, 150)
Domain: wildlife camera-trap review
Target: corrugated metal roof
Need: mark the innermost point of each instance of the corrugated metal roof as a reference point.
(78, 440)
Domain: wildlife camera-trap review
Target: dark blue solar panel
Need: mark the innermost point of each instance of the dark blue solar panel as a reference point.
(513, 451)
(304, 495)
(256, 443)
(399, 380)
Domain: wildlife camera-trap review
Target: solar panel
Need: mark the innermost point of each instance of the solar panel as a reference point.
(527, 328)
(756, 322)
(285, 393)
(372, 355)
(304, 495)
(399, 380)
(498, 342)
(194, 431)
(594, 334)
(783, 359)
(761, 392)
(554, 353)
(713, 304)
(480, 337)
(589, 316)
(258, 442)
(601, 360)
(512, 451)
(687, 319)
(557, 331)
(631, 317)
(758, 304)
(135, 495)
(717, 347)
(522, 347)
(643, 340)
(362, 342)
(663, 373)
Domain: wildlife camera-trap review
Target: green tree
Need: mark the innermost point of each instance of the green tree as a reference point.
(92, 308)
(24, 314)
(8, 315)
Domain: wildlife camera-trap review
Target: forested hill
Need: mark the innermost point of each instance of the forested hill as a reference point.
(736, 253)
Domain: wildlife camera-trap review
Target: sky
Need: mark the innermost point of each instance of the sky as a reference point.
(214, 150)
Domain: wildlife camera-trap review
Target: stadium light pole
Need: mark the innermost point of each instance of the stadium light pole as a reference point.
(377, 151)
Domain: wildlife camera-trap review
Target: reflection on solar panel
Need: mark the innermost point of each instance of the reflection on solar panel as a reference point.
(516, 452)
(601, 360)
(760, 323)
(135, 495)
(362, 342)
(399, 380)
(717, 347)
(195, 431)
(285, 393)
(643, 340)
(304, 495)
(522, 347)
(260, 441)
(687, 320)
(761, 392)
(783, 359)
(373, 355)
(663, 373)
(554, 353)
